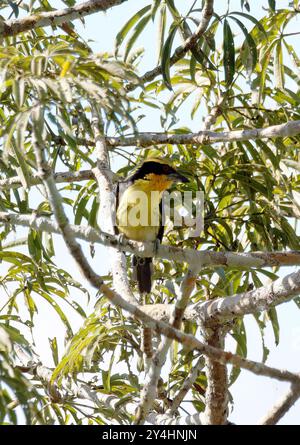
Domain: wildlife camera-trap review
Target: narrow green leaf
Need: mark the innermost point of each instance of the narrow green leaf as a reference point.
(252, 19)
(261, 326)
(54, 350)
(137, 31)
(272, 5)
(272, 314)
(245, 4)
(14, 7)
(249, 41)
(154, 8)
(240, 337)
(161, 30)
(166, 54)
(18, 87)
(193, 64)
(203, 59)
(128, 26)
(229, 53)
(278, 66)
(264, 66)
(23, 169)
(173, 9)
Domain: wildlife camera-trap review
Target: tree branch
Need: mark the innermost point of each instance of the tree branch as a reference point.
(32, 365)
(149, 391)
(261, 299)
(206, 137)
(188, 383)
(68, 393)
(216, 394)
(15, 182)
(181, 50)
(204, 258)
(282, 406)
(57, 17)
(189, 341)
(106, 213)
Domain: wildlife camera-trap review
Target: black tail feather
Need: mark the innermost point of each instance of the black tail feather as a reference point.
(143, 269)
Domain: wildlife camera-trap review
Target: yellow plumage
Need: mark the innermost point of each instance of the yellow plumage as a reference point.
(138, 209)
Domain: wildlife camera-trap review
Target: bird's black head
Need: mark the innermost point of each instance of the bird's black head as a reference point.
(157, 167)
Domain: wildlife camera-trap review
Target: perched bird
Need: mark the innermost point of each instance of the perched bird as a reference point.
(139, 209)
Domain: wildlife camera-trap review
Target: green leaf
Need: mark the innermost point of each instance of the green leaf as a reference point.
(229, 54)
(14, 7)
(278, 66)
(253, 20)
(173, 9)
(240, 336)
(19, 91)
(265, 62)
(54, 350)
(57, 309)
(250, 42)
(193, 64)
(261, 326)
(161, 30)
(272, 5)
(137, 31)
(166, 54)
(128, 26)
(154, 8)
(203, 59)
(272, 314)
(23, 168)
(245, 4)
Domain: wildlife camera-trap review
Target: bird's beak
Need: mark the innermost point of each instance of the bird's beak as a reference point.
(177, 177)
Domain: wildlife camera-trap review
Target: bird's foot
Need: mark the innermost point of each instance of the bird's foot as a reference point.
(120, 239)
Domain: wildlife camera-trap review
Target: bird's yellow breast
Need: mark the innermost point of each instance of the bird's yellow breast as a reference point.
(138, 215)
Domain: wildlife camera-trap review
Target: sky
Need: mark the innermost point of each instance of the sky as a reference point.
(253, 396)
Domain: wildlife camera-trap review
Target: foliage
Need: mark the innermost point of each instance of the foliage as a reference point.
(50, 80)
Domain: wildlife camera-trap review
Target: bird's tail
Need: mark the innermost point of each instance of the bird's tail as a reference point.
(143, 273)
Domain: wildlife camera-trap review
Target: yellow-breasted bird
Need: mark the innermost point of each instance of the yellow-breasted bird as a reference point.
(139, 209)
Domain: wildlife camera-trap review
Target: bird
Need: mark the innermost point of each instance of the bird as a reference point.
(139, 210)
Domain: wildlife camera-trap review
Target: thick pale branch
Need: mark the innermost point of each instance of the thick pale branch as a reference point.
(205, 258)
(261, 299)
(205, 137)
(221, 308)
(180, 51)
(56, 17)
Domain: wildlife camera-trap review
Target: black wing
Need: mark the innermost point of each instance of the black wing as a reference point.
(161, 227)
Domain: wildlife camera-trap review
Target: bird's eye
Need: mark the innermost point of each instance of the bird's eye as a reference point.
(166, 168)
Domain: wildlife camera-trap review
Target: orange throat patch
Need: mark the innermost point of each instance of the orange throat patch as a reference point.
(156, 182)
